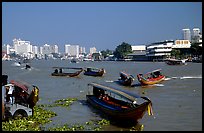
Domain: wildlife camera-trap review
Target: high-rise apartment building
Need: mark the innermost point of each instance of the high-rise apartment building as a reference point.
(93, 50)
(196, 32)
(72, 50)
(186, 34)
(82, 50)
(48, 49)
(23, 48)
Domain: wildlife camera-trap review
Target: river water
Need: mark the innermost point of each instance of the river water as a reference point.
(177, 101)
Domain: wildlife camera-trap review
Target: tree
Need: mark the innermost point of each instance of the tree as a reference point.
(122, 50)
(196, 49)
(106, 53)
(175, 53)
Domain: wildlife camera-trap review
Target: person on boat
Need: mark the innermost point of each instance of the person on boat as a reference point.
(105, 97)
(9, 93)
(27, 66)
(101, 96)
(60, 70)
(56, 71)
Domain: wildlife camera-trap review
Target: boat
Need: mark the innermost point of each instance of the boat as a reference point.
(27, 66)
(74, 61)
(118, 104)
(150, 78)
(63, 71)
(16, 64)
(20, 103)
(90, 71)
(175, 61)
(125, 79)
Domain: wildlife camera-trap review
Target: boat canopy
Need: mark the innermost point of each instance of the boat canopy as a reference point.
(126, 75)
(156, 70)
(23, 85)
(117, 91)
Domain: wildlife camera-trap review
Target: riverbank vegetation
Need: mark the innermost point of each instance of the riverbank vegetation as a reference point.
(42, 116)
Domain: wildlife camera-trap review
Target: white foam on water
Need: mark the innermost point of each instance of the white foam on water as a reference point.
(174, 77)
(109, 81)
(167, 78)
(158, 85)
(190, 77)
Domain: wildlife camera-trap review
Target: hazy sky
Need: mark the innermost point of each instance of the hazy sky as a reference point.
(104, 25)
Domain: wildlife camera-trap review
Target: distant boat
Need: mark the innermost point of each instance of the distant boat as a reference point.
(74, 61)
(126, 79)
(90, 71)
(63, 71)
(27, 66)
(16, 64)
(150, 78)
(175, 61)
(118, 104)
(26, 60)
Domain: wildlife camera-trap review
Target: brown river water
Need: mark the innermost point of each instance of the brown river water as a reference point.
(177, 101)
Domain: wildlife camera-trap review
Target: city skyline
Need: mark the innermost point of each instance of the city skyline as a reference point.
(103, 25)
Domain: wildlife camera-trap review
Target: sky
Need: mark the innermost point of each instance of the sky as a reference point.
(103, 25)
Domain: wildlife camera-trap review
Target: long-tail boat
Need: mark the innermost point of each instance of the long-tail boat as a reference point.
(150, 78)
(22, 101)
(66, 71)
(175, 62)
(90, 71)
(118, 104)
(125, 79)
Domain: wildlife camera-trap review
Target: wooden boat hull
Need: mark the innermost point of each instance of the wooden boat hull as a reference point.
(126, 82)
(125, 79)
(175, 62)
(118, 113)
(67, 74)
(92, 73)
(150, 81)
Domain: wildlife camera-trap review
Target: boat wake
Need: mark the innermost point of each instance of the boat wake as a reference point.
(16, 64)
(158, 85)
(167, 78)
(191, 77)
(27, 68)
(185, 77)
(110, 81)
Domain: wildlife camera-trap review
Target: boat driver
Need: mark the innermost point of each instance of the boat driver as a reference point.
(9, 93)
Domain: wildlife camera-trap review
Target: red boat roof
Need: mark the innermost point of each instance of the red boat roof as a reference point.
(21, 84)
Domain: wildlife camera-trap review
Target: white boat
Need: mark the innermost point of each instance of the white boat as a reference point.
(16, 64)
(176, 62)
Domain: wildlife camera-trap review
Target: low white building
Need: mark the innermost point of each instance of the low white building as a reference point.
(159, 49)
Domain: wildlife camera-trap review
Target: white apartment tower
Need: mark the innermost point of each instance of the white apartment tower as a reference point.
(92, 50)
(72, 50)
(48, 49)
(35, 50)
(186, 34)
(196, 32)
(23, 48)
(82, 50)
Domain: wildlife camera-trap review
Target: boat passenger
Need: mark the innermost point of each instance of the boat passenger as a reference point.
(105, 97)
(9, 93)
(56, 71)
(60, 70)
